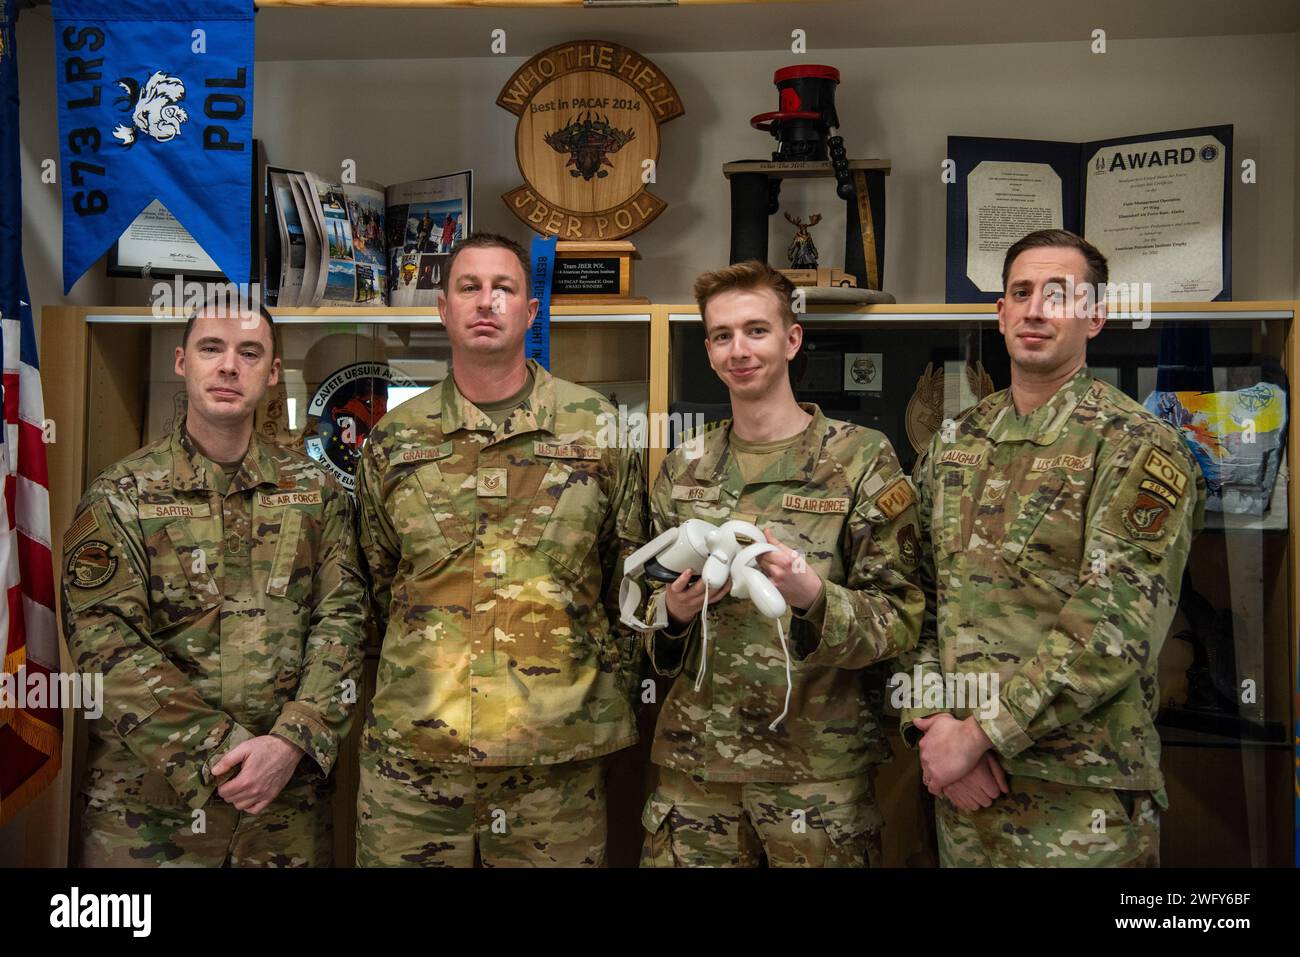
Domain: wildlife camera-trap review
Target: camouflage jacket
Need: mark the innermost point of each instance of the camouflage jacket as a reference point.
(213, 618)
(495, 557)
(840, 497)
(1054, 558)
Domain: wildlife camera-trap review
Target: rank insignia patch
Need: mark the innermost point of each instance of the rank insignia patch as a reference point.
(1146, 517)
(91, 564)
(491, 483)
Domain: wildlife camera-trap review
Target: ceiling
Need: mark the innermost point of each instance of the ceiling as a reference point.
(332, 33)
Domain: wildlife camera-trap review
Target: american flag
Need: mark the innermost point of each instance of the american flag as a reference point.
(31, 739)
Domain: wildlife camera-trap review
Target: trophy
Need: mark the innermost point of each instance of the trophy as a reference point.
(807, 146)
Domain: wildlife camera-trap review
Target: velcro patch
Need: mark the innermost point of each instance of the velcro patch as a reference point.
(1163, 468)
(1158, 489)
(85, 524)
(696, 493)
(174, 510)
(406, 456)
(91, 564)
(548, 451)
(1075, 463)
(1146, 516)
(288, 498)
(896, 497)
(961, 457)
(800, 503)
(491, 483)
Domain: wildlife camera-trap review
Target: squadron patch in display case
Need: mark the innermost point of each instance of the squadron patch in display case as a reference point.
(345, 408)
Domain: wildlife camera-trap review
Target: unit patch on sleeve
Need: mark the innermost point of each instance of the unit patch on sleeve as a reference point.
(1146, 515)
(897, 496)
(91, 564)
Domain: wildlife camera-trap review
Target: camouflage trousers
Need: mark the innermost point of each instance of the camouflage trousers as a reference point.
(141, 823)
(1046, 824)
(411, 814)
(695, 823)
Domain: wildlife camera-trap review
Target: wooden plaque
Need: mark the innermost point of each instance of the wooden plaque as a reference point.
(589, 114)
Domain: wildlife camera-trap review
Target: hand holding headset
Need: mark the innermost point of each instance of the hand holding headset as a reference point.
(716, 554)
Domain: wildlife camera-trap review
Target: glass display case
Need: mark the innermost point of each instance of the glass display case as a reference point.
(1226, 669)
(112, 388)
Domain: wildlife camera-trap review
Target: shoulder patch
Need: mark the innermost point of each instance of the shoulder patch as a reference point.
(1146, 515)
(84, 524)
(896, 497)
(1162, 467)
(91, 564)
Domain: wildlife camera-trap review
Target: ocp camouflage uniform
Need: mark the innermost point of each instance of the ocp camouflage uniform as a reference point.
(214, 618)
(495, 555)
(731, 789)
(1056, 544)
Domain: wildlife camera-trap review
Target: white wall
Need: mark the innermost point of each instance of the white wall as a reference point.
(403, 119)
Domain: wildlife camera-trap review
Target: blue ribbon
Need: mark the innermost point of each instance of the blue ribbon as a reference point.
(155, 101)
(537, 344)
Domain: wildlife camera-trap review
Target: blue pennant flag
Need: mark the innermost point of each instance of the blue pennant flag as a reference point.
(537, 343)
(155, 101)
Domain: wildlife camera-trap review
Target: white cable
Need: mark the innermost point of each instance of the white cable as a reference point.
(704, 638)
(789, 681)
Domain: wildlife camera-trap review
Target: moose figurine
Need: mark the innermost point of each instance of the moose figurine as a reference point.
(802, 253)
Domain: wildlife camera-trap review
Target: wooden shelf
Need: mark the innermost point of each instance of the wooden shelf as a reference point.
(986, 312)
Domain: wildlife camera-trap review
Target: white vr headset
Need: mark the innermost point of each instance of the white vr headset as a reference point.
(716, 554)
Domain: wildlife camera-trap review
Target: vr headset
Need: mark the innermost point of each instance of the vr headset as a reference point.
(714, 553)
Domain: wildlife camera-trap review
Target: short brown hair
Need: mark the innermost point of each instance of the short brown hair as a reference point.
(485, 241)
(1098, 271)
(748, 276)
(218, 301)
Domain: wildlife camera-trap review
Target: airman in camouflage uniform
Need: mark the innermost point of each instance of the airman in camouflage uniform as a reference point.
(1056, 543)
(494, 548)
(224, 608)
(733, 791)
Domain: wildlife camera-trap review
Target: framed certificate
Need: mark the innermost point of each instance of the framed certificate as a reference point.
(1158, 206)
